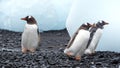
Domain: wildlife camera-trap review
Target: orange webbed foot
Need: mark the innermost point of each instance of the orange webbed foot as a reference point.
(69, 54)
(78, 58)
(32, 50)
(24, 50)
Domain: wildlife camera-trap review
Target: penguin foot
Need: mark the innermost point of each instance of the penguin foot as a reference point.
(93, 53)
(32, 50)
(78, 58)
(24, 50)
(69, 54)
(88, 52)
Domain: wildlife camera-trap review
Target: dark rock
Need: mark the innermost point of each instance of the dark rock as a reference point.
(115, 60)
(50, 53)
(59, 34)
(98, 63)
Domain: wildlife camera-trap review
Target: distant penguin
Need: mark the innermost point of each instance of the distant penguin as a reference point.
(31, 35)
(78, 42)
(96, 33)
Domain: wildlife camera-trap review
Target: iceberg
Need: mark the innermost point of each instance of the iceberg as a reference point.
(92, 11)
(50, 14)
(60, 14)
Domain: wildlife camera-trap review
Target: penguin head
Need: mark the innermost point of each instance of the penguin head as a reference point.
(100, 24)
(29, 19)
(85, 26)
(89, 25)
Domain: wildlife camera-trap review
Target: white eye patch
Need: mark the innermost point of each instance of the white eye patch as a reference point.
(29, 16)
(85, 23)
(100, 21)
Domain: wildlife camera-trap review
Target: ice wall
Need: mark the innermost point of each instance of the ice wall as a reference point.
(91, 11)
(50, 14)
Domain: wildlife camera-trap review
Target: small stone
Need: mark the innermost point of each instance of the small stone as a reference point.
(92, 62)
(99, 63)
(115, 60)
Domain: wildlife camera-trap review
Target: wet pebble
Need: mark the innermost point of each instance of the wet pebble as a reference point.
(115, 60)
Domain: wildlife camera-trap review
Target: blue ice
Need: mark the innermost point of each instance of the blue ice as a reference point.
(92, 11)
(59, 14)
(50, 14)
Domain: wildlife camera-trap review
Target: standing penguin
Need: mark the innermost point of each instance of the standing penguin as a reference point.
(31, 35)
(96, 33)
(78, 42)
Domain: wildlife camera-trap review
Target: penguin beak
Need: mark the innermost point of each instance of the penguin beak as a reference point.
(23, 18)
(105, 23)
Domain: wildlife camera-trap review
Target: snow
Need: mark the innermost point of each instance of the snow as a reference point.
(50, 14)
(83, 11)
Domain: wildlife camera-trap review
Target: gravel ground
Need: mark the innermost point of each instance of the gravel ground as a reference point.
(50, 53)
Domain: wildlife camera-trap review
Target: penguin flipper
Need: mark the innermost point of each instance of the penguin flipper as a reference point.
(72, 38)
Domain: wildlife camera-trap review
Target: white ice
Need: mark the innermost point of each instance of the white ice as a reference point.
(91, 11)
(50, 14)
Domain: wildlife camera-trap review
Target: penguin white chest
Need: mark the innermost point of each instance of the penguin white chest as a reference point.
(97, 36)
(30, 36)
(93, 44)
(80, 42)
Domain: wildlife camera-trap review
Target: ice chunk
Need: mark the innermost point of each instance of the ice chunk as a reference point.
(50, 14)
(83, 11)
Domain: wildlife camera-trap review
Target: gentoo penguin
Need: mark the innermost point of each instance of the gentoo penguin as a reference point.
(77, 44)
(31, 35)
(95, 35)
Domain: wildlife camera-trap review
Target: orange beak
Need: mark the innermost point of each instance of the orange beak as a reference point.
(23, 18)
(94, 25)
